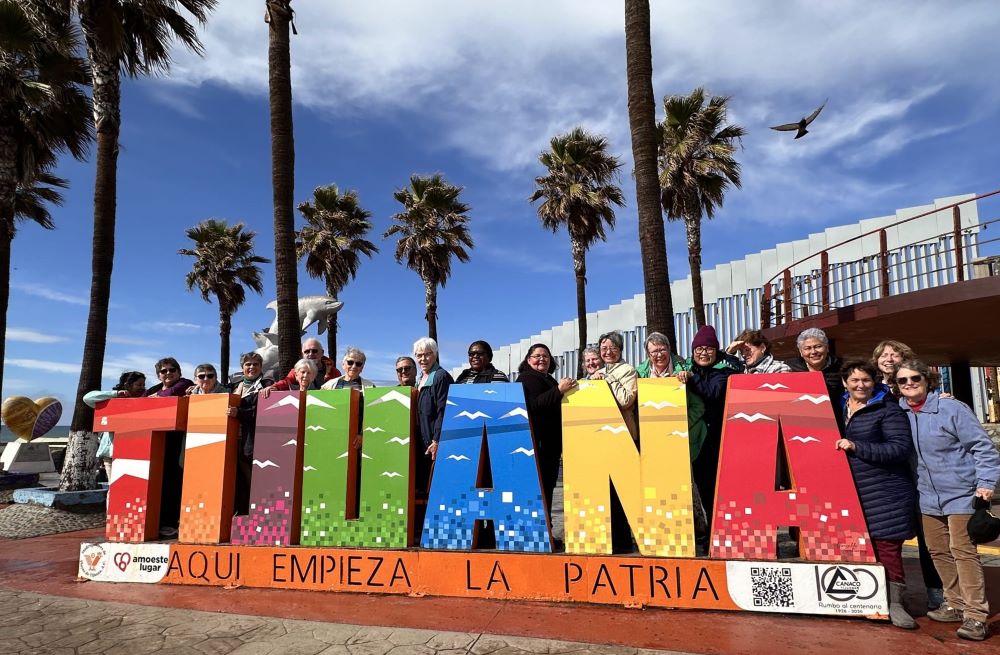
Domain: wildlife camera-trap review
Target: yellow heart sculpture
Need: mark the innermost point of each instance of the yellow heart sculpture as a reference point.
(29, 418)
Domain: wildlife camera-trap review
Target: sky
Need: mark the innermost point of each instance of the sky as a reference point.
(386, 89)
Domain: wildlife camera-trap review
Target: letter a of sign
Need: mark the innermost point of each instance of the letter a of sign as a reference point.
(822, 501)
(277, 472)
(654, 487)
(140, 426)
(515, 504)
(329, 479)
(209, 469)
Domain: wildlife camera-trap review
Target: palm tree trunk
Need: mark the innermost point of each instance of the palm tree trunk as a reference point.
(642, 121)
(431, 300)
(692, 226)
(80, 467)
(580, 271)
(283, 181)
(8, 193)
(331, 327)
(225, 328)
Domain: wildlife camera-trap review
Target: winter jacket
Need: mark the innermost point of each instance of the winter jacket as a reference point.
(431, 403)
(707, 386)
(485, 376)
(767, 364)
(834, 383)
(880, 466)
(247, 412)
(621, 379)
(954, 455)
(695, 405)
(327, 371)
(178, 388)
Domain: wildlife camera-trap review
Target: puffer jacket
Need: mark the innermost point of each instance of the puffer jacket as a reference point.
(880, 466)
(954, 455)
(834, 383)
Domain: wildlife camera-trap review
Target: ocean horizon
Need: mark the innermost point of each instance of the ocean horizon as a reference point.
(6, 436)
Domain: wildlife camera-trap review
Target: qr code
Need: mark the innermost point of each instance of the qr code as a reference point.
(772, 587)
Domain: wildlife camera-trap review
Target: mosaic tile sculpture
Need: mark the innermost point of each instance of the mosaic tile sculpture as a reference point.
(209, 469)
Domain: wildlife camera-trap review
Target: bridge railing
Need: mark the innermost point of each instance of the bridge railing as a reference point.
(931, 261)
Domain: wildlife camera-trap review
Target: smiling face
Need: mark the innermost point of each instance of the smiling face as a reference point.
(889, 360)
(592, 362)
(251, 368)
(353, 364)
(659, 356)
(312, 349)
(169, 374)
(610, 352)
(705, 355)
(406, 373)
(814, 352)
(912, 384)
(540, 359)
(479, 358)
(752, 354)
(859, 386)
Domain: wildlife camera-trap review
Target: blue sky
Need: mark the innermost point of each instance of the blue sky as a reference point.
(385, 89)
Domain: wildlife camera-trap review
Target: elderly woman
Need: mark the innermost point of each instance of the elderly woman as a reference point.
(305, 373)
(206, 381)
(621, 378)
(171, 382)
(659, 362)
(815, 355)
(956, 461)
(754, 350)
(878, 446)
(354, 362)
(887, 357)
(481, 369)
(432, 399)
(706, 375)
(591, 361)
(253, 381)
(543, 395)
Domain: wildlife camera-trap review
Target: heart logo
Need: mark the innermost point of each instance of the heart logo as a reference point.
(122, 560)
(28, 418)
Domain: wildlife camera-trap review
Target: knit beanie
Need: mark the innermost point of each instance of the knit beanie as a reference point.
(705, 337)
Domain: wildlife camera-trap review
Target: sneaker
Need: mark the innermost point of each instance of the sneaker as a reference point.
(946, 614)
(935, 598)
(973, 630)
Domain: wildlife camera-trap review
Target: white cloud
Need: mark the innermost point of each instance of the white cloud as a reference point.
(32, 336)
(43, 291)
(44, 365)
(170, 327)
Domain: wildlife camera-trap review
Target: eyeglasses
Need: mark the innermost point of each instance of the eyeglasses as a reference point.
(705, 349)
(539, 357)
(914, 379)
(311, 351)
(206, 376)
(476, 353)
(164, 371)
(404, 369)
(657, 353)
(610, 349)
(352, 362)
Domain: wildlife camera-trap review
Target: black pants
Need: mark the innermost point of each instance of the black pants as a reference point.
(173, 479)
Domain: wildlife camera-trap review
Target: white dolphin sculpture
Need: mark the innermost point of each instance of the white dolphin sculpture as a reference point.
(312, 309)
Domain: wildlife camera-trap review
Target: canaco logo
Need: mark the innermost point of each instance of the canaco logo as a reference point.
(93, 559)
(844, 584)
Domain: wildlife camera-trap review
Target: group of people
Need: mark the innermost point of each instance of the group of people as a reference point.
(919, 457)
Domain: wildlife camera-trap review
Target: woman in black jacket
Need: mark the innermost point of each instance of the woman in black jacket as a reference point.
(878, 445)
(543, 396)
(815, 355)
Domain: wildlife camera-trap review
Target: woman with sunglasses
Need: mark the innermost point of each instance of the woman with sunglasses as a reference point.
(354, 362)
(171, 383)
(206, 381)
(481, 369)
(956, 462)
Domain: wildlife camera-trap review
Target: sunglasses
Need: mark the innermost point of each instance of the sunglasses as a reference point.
(206, 376)
(164, 371)
(311, 351)
(477, 353)
(351, 362)
(915, 379)
(404, 369)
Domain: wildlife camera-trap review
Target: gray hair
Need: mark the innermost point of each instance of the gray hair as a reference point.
(613, 337)
(207, 368)
(252, 356)
(811, 333)
(355, 353)
(592, 350)
(657, 338)
(425, 343)
(306, 363)
(404, 358)
(313, 340)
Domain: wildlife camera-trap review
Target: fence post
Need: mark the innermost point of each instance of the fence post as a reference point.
(786, 282)
(883, 263)
(824, 279)
(956, 220)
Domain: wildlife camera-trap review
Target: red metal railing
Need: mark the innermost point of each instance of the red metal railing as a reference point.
(779, 302)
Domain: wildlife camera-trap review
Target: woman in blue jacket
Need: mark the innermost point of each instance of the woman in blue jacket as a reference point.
(956, 461)
(878, 446)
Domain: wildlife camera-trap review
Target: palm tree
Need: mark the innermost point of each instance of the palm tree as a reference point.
(433, 226)
(579, 192)
(43, 111)
(696, 168)
(642, 120)
(279, 16)
(332, 241)
(224, 264)
(121, 36)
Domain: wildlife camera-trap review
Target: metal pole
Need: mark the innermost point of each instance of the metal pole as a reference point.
(956, 220)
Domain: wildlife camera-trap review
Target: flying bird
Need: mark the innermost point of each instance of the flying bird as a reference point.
(800, 127)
